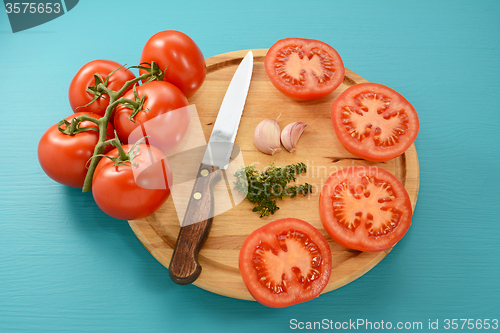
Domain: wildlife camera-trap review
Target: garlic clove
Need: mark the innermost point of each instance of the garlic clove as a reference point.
(267, 136)
(291, 134)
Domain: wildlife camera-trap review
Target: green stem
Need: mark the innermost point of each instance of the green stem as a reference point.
(122, 155)
(87, 118)
(98, 150)
(131, 82)
(101, 87)
(73, 125)
(124, 100)
(114, 100)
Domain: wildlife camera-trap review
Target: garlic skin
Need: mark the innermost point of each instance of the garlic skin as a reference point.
(267, 136)
(291, 134)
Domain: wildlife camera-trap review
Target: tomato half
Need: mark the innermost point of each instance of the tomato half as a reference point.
(374, 122)
(304, 69)
(128, 192)
(84, 78)
(285, 262)
(164, 116)
(179, 56)
(64, 157)
(365, 208)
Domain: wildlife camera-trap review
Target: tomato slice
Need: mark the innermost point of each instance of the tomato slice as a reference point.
(365, 208)
(374, 122)
(285, 262)
(304, 69)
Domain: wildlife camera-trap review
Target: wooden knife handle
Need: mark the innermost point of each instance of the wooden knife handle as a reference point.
(184, 267)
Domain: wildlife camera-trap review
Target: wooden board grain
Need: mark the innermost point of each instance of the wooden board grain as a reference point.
(318, 148)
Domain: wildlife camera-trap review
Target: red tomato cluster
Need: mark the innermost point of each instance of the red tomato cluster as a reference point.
(133, 180)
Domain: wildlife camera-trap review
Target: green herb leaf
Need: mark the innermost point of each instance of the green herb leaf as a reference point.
(263, 187)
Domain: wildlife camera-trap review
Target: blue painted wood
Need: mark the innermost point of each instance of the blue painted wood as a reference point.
(66, 266)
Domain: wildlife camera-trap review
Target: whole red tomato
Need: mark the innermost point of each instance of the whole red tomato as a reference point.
(164, 117)
(132, 191)
(84, 78)
(179, 56)
(64, 157)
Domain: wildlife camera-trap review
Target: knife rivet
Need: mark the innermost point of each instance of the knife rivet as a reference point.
(204, 173)
(197, 195)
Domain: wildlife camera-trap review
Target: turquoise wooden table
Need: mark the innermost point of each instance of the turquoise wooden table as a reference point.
(67, 267)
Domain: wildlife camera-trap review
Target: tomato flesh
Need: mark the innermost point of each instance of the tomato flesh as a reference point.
(304, 69)
(374, 122)
(285, 262)
(365, 208)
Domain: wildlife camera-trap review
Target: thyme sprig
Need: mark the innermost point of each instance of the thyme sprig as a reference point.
(263, 188)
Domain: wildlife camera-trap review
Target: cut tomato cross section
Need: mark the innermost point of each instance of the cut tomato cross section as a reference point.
(365, 208)
(374, 122)
(285, 262)
(304, 69)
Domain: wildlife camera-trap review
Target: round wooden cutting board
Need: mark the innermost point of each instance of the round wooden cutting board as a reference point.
(318, 148)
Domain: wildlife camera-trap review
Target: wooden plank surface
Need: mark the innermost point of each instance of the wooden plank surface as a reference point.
(318, 148)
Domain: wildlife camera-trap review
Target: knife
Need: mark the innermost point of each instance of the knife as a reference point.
(184, 267)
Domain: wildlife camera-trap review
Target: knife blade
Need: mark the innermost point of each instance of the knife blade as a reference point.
(184, 267)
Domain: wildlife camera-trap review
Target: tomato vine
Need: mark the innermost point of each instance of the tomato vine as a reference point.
(152, 72)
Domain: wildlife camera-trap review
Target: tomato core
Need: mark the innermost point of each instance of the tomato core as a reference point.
(371, 117)
(367, 203)
(365, 208)
(374, 122)
(285, 262)
(297, 67)
(304, 69)
(297, 256)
